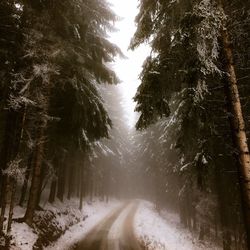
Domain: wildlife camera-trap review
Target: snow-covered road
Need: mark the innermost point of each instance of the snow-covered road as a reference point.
(115, 232)
(129, 225)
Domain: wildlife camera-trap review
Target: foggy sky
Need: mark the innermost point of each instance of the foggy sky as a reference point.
(128, 69)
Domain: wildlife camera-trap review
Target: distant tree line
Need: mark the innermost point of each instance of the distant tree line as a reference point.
(194, 104)
(53, 57)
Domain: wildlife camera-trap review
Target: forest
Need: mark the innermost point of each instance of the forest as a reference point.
(62, 133)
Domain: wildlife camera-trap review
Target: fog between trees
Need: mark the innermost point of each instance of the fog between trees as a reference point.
(62, 129)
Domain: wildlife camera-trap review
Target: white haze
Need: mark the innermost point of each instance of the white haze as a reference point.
(128, 69)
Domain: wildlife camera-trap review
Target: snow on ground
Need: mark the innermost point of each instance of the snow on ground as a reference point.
(95, 212)
(24, 237)
(164, 232)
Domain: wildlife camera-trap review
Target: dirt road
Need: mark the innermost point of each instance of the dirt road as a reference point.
(115, 232)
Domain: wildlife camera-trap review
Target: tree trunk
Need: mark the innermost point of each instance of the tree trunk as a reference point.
(12, 139)
(3, 202)
(82, 182)
(36, 177)
(6, 150)
(26, 180)
(78, 181)
(12, 203)
(61, 179)
(81, 187)
(221, 190)
(70, 181)
(43, 183)
(52, 194)
(202, 232)
(227, 242)
(238, 129)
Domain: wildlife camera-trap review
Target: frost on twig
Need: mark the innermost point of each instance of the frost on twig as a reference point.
(16, 103)
(208, 35)
(14, 171)
(200, 91)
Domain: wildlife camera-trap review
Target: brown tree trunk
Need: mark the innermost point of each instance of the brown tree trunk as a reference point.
(221, 190)
(70, 181)
(61, 178)
(6, 151)
(82, 182)
(238, 128)
(38, 152)
(13, 135)
(3, 203)
(54, 182)
(36, 177)
(81, 187)
(78, 180)
(52, 193)
(26, 180)
(12, 203)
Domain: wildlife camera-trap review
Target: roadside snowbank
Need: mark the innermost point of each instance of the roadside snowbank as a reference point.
(164, 232)
(24, 237)
(64, 217)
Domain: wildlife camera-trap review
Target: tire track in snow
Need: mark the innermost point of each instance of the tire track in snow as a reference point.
(113, 233)
(94, 239)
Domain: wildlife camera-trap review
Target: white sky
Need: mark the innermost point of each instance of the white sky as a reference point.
(128, 69)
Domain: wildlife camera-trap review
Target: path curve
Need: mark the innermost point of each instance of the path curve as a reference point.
(114, 232)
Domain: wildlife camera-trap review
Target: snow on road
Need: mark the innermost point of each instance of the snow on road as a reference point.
(116, 230)
(164, 232)
(95, 212)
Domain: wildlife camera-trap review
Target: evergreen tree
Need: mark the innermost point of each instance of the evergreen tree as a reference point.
(191, 55)
(61, 54)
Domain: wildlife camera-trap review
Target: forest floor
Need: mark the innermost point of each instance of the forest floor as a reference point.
(163, 231)
(114, 225)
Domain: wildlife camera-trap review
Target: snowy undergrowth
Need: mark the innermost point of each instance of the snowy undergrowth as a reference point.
(164, 232)
(56, 220)
(21, 236)
(95, 212)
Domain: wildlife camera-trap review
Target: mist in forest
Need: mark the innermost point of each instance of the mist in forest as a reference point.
(124, 125)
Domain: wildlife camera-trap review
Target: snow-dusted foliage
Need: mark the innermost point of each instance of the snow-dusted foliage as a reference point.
(14, 170)
(208, 34)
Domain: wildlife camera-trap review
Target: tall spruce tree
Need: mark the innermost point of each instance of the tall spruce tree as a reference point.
(191, 52)
(51, 87)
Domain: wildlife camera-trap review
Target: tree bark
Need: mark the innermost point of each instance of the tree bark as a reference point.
(238, 128)
(26, 180)
(82, 182)
(13, 184)
(3, 203)
(13, 135)
(36, 177)
(61, 178)
(70, 181)
(52, 194)
(6, 150)
(81, 187)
